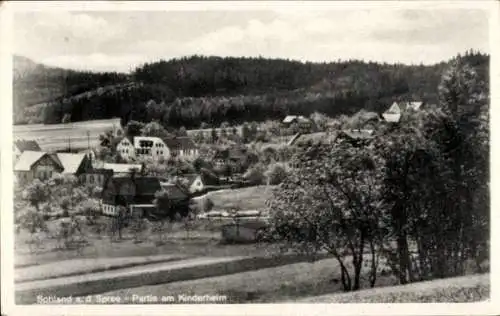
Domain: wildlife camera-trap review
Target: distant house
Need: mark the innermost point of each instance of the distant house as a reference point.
(393, 114)
(101, 171)
(303, 122)
(36, 165)
(229, 156)
(182, 147)
(208, 133)
(42, 165)
(132, 193)
(199, 182)
(142, 146)
(156, 147)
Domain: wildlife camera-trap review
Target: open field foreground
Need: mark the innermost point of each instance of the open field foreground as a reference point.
(251, 198)
(471, 288)
(266, 285)
(83, 266)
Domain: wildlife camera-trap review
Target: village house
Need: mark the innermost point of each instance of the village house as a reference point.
(229, 157)
(196, 183)
(304, 124)
(101, 171)
(42, 165)
(36, 165)
(393, 114)
(134, 193)
(156, 148)
(208, 133)
(182, 147)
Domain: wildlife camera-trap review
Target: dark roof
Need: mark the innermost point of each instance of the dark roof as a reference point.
(143, 185)
(24, 145)
(175, 191)
(179, 143)
(147, 185)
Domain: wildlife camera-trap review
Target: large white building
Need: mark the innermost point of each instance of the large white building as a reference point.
(156, 148)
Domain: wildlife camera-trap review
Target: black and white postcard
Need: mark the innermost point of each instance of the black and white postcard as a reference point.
(264, 158)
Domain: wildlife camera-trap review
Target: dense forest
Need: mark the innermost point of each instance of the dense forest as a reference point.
(194, 90)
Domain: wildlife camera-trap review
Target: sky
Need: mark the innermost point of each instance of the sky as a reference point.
(122, 40)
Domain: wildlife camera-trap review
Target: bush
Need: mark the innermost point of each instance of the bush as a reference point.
(255, 175)
(276, 173)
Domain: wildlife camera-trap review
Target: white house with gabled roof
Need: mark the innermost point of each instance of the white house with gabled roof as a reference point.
(143, 146)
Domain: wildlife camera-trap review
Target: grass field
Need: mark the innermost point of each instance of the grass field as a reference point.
(471, 288)
(200, 242)
(251, 198)
(283, 283)
(58, 136)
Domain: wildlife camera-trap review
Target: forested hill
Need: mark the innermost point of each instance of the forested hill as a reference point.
(192, 90)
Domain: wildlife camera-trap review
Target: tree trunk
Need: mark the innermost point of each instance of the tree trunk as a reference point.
(374, 265)
(346, 279)
(358, 262)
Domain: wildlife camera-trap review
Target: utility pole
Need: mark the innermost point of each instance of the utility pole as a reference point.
(88, 140)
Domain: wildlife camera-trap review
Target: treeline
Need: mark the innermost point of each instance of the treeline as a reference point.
(190, 91)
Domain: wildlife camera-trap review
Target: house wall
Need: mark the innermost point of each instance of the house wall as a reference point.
(157, 150)
(44, 168)
(189, 153)
(24, 176)
(125, 149)
(97, 179)
(196, 186)
(109, 209)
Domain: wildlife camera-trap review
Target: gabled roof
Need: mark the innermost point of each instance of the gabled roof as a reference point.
(24, 145)
(394, 109)
(27, 159)
(70, 162)
(180, 143)
(291, 118)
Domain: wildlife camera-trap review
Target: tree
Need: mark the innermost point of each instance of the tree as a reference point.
(275, 174)
(154, 129)
(66, 118)
(182, 131)
(332, 202)
(118, 222)
(138, 226)
(37, 193)
(133, 128)
(255, 175)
